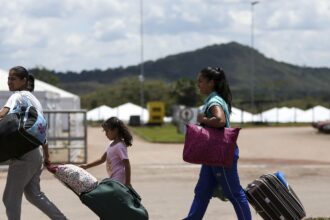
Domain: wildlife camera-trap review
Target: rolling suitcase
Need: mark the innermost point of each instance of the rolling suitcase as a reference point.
(273, 198)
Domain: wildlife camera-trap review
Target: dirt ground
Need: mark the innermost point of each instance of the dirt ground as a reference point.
(166, 183)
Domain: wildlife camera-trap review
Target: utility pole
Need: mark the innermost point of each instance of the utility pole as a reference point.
(252, 77)
(141, 76)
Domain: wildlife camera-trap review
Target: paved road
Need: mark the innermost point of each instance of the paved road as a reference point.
(166, 183)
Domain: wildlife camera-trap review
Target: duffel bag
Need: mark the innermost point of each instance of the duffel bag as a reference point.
(112, 200)
(20, 132)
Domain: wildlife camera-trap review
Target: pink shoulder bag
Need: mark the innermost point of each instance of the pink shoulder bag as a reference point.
(210, 146)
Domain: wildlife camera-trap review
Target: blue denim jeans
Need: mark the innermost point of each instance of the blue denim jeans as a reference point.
(209, 178)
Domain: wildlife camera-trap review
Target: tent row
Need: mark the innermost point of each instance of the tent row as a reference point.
(274, 115)
(123, 112)
(283, 115)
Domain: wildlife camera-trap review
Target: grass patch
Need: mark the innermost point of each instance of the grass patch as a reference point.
(166, 133)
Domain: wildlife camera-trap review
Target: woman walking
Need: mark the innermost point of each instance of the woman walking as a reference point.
(24, 172)
(212, 82)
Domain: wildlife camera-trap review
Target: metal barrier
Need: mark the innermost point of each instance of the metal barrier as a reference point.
(67, 135)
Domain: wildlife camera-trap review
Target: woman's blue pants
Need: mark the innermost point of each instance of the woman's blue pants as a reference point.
(209, 178)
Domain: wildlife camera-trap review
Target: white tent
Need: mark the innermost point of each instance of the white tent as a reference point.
(100, 113)
(285, 115)
(271, 115)
(68, 101)
(282, 115)
(315, 114)
(50, 96)
(125, 111)
(240, 116)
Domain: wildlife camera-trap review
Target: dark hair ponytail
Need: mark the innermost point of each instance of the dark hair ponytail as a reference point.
(221, 85)
(123, 132)
(30, 86)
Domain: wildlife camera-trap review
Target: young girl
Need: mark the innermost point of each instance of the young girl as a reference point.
(118, 165)
(212, 82)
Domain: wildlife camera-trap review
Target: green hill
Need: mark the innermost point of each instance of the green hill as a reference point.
(273, 80)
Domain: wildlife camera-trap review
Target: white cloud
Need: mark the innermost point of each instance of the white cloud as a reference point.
(110, 29)
(88, 34)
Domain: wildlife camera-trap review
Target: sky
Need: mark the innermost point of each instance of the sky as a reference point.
(76, 35)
